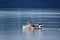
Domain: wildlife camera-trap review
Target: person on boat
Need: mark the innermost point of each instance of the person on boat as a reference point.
(40, 25)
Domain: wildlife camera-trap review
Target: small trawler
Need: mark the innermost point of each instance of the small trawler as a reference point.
(32, 27)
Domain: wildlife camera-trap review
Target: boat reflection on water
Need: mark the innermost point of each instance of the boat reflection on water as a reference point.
(32, 34)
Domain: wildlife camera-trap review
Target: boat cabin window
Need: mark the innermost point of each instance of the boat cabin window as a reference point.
(35, 25)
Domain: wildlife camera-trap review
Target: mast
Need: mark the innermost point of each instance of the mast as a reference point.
(32, 19)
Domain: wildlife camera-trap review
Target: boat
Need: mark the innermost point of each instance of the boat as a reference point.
(32, 26)
(29, 27)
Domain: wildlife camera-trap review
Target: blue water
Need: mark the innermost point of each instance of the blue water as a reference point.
(11, 25)
(30, 35)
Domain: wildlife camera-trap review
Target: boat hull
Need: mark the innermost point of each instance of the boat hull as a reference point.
(37, 28)
(33, 28)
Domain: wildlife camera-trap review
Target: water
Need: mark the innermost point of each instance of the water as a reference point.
(11, 26)
(30, 35)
